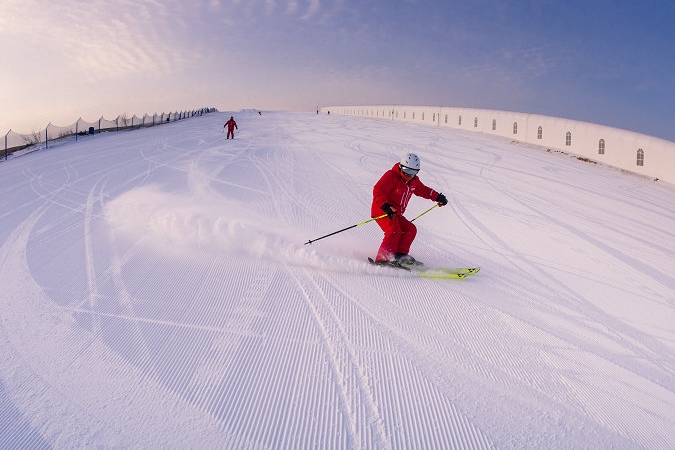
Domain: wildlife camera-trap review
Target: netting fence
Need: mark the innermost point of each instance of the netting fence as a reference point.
(14, 142)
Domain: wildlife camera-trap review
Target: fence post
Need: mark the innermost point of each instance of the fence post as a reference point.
(47, 137)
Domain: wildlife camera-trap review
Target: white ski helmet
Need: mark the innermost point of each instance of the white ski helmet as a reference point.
(410, 164)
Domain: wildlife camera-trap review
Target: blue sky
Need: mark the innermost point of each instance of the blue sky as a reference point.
(608, 62)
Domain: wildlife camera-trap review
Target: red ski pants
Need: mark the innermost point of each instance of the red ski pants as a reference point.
(399, 234)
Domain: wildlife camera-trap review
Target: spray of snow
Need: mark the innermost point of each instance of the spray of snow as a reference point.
(185, 224)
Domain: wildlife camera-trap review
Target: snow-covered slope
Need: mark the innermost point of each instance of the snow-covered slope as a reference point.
(157, 293)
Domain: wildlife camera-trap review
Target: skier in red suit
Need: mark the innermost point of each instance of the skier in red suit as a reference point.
(231, 125)
(391, 195)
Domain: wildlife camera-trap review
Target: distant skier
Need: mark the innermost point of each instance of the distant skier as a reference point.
(391, 195)
(231, 125)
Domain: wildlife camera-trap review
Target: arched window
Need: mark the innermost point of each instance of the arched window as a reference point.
(601, 147)
(433, 118)
(475, 122)
(460, 120)
(422, 116)
(413, 118)
(540, 133)
(515, 127)
(404, 114)
(494, 124)
(446, 118)
(640, 157)
(568, 139)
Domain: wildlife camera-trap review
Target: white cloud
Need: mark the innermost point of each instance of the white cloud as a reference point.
(99, 39)
(312, 9)
(270, 5)
(292, 6)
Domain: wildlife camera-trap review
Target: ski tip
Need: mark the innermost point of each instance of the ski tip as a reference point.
(444, 275)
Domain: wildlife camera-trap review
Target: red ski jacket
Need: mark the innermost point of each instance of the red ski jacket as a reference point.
(393, 189)
(231, 125)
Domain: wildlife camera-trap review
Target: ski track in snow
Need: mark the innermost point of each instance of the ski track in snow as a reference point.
(157, 293)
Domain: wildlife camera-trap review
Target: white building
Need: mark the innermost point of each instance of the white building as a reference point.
(627, 150)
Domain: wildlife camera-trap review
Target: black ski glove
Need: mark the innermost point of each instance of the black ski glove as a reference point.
(441, 200)
(391, 212)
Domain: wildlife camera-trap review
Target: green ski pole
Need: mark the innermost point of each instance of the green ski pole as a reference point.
(425, 212)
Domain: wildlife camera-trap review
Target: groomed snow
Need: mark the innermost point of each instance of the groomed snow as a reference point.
(157, 293)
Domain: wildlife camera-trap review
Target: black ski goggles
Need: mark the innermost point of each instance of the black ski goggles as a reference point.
(408, 170)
